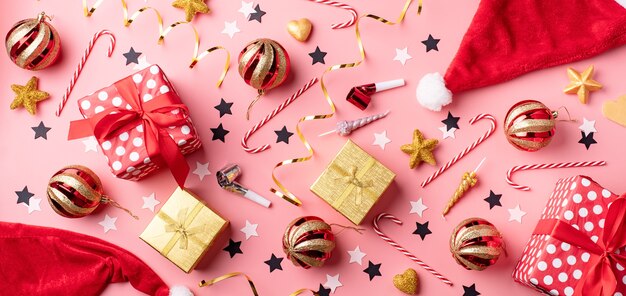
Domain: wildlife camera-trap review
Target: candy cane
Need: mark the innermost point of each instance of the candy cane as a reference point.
(471, 147)
(343, 6)
(293, 97)
(541, 166)
(81, 64)
(403, 250)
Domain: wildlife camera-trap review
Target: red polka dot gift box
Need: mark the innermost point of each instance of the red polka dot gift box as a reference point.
(578, 245)
(141, 125)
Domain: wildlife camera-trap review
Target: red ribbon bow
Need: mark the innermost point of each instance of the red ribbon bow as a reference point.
(155, 115)
(598, 277)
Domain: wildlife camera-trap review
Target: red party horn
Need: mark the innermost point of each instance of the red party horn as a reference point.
(360, 95)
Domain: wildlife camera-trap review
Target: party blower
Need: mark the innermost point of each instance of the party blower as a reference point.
(226, 178)
(360, 96)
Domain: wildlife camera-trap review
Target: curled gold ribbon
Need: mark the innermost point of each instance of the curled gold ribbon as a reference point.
(282, 191)
(197, 56)
(351, 178)
(204, 283)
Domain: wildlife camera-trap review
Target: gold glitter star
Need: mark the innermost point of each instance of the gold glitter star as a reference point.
(191, 7)
(420, 149)
(581, 83)
(28, 96)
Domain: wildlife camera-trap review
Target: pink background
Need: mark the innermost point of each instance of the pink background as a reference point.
(31, 162)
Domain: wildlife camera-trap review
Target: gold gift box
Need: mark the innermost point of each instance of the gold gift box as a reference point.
(184, 229)
(353, 182)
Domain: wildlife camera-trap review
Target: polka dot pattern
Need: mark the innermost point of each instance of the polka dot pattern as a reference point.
(555, 267)
(126, 152)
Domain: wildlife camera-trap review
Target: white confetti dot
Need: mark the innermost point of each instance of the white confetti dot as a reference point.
(129, 107)
(577, 274)
(594, 238)
(98, 109)
(548, 280)
(185, 130)
(534, 281)
(569, 291)
(106, 145)
(585, 182)
(551, 249)
(592, 195)
(573, 186)
(564, 203)
(575, 227)
(565, 246)
(85, 105)
(577, 198)
(103, 96)
(601, 223)
(117, 101)
(164, 89)
(618, 294)
(563, 277)
(175, 111)
(116, 165)
(130, 169)
(137, 78)
(542, 265)
(554, 292)
(137, 142)
(147, 97)
(585, 257)
(146, 160)
(120, 150)
(557, 263)
(571, 260)
(589, 226)
(619, 267)
(182, 142)
(606, 193)
(583, 212)
(568, 215)
(154, 69)
(140, 128)
(624, 279)
(123, 136)
(597, 209)
(151, 83)
(134, 156)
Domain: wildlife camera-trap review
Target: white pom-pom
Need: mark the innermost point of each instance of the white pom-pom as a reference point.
(180, 291)
(432, 92)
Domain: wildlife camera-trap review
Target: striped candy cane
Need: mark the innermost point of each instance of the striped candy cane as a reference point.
(402, 249)
(81, 64)
(293, 97)
(471, 147)
(343, 6)
(541, 166)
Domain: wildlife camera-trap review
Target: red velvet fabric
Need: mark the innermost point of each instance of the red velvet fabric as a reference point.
(47, 261)
(508, 38)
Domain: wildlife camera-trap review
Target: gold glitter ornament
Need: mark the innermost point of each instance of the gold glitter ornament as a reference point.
(476, 244)
(308, 241)
(28, 95)
(420, 149)
(191, 7)
(33, 44)
(581, 83)
(407, 282)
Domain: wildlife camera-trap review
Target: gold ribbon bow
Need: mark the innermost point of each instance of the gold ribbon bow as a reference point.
(180, 226)
(351, 179)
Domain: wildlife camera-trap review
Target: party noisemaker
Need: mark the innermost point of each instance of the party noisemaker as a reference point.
(308, 241)
(33, 44)
(226, 179)
(360, 96)
(75, 191)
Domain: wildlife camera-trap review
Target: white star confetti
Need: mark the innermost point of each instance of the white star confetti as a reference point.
(91, 144)
(356, 256)
(33, 205)
(447, 133)
(381, 140)
(250, 229)
(202, 170)
(230, 29)
(332, 282)
(402, 55)
(588, 126)
(108, 223)
(149, 202)
(143, 63)
(418, 207)
(516, 214)
(246, 8)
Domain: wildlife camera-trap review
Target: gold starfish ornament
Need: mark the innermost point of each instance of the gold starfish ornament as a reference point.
(581, 83)
(420, 149)
(28, 96)
(191, 7)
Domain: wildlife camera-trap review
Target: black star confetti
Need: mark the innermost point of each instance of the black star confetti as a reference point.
(233, 248)
(587, 139)
(274, 263)
(373, 270)
(431, 43)
(323, 291)
(283, 135)
(131, 56)
(470, 291)
(422, 230)
(219, 133)
(257, 14)
(24, 196)
(224, 108)
(451, 121)
(41, 131)
(493, 199)
(318, 56)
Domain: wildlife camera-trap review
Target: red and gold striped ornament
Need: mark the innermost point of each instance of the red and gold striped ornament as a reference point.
(264, 64)
(530, 125)
(75, 191)
(476, 244)
(308, 241)
(33, 44)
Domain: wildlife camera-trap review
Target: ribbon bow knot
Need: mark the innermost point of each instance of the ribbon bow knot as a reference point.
(186, 233)
(351, 179)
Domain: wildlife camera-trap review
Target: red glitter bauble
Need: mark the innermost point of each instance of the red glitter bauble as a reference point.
(308, 241)
(529, 125)
(476, 244)
(33, 44)
(264, 64)
(75, 191)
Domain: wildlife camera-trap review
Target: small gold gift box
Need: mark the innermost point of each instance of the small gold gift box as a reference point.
(353, 182)
(184, 229)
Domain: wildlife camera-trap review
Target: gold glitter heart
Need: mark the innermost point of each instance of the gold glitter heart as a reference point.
(300, 29)
(407, 282)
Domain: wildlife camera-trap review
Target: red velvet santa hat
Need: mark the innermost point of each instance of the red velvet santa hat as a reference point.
(47, 261)
(509, 38)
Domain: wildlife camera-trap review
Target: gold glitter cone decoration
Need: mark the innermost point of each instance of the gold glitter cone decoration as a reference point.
(468, 181)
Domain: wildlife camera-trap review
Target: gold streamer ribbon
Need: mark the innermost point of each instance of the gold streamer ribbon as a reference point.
(284, 192)
(204, 283)
(180, 227)
(353, 181)
(197, 56)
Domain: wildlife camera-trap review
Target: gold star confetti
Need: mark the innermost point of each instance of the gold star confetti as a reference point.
(28, 96)
(420, 149)
(581, 83)
(191, 7)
